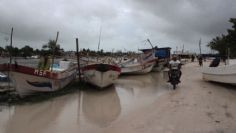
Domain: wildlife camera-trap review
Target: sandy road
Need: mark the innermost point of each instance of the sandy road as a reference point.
(141, 106)
(196, 106)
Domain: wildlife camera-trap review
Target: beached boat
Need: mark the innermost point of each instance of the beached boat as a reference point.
(163, 55)
(160, 65)
(101, 75)
(222, 74)
(28, 80)
(137, 68)
(141, 65)
(3, 77)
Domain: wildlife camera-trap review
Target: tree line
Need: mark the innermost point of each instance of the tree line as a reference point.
(50, 47)
(27, 51)
(118, 53)
(226, 42)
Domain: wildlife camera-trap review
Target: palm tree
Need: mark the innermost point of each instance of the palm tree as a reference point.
(51, 47)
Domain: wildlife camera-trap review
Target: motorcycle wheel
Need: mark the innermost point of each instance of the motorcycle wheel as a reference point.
(174, 86)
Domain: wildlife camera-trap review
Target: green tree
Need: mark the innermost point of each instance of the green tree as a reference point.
(26, 51)
(51, 47)
(1, 50)
(222, 43)
(37, 52)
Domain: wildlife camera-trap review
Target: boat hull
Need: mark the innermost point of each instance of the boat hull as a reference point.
(28, 81)
(101, 75)
(137, 68)
(222, 74)
(158, 67)
(27, 84)
(229, 79)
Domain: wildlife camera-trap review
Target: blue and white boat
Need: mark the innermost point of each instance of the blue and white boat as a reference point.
(3, 77)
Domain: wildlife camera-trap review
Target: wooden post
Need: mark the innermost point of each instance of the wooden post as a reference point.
(9, 65)
(10, 52)
(228, 56)
(53, 51)
(78, 57)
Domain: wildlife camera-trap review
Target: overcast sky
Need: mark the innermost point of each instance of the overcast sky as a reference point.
(125, 23)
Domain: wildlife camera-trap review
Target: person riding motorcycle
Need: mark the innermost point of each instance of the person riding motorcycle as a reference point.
(174, 65)
(200, 58)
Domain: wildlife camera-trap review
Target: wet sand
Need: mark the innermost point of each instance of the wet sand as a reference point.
(135, 104)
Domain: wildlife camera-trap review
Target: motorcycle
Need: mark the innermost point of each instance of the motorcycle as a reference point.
(174, 78)
(200, 62)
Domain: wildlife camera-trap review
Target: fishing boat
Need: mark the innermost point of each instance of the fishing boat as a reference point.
(3, 77)
(160, 65)
(137, 67)
(222, 74)
(100, 74)
(140, 65)
(28, 80)
(163, 55)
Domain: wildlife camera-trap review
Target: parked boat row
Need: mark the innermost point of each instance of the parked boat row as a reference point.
(100, 72)
(103, 74)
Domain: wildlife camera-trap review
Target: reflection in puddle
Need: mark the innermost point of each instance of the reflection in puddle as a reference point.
(35, 118)
(101, 107)
(140, 90)
(88, 110)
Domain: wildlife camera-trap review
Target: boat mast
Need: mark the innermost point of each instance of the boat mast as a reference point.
(150, 43)
(99, 40)
(200, 49)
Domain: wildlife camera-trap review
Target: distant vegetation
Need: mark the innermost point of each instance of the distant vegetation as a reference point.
(223, 42)
(47, 49)
(88, 52)
(28, 51)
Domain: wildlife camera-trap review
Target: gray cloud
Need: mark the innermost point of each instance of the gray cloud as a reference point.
(125, 24)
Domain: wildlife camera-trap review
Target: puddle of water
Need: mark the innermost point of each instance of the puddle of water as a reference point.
(86, 111)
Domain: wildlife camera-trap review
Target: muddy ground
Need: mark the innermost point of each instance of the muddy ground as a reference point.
(135, 104)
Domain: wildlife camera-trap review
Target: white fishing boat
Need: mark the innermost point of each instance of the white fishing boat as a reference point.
(222, 74)
(141, 65)
(163, 55)
(101, 75)
(28, 80)
(137, 68)
(159, 66)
